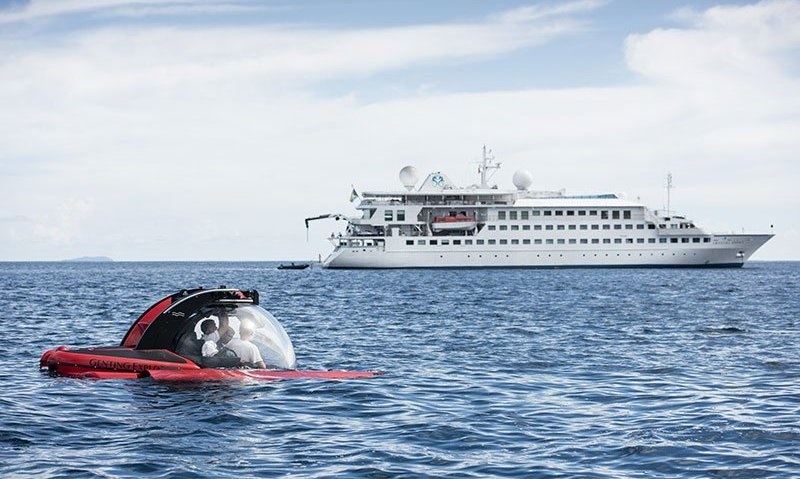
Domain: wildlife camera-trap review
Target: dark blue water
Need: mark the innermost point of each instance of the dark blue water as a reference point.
(513, 373)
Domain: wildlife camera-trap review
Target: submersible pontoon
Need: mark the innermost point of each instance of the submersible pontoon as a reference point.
(166, 343)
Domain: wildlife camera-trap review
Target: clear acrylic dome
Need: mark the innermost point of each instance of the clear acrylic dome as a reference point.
(268, 334)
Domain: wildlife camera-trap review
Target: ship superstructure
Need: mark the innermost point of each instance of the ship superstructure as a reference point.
(441, 225)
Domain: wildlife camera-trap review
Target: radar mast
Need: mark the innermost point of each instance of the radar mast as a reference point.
(669, 188)
(487, 163)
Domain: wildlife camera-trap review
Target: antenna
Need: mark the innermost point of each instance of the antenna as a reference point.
(669, 187)
(487, 163)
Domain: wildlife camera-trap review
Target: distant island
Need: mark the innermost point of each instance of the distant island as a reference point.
(90, 259)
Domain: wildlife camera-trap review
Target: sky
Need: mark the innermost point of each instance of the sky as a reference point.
(189, 130)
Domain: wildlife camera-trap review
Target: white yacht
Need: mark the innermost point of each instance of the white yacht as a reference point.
(441, 225)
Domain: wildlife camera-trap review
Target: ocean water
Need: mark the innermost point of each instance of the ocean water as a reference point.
(509, 373)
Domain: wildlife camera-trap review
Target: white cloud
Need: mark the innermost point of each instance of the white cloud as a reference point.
(214, 143)
(49, 9)
(539, 12)
(722, 46)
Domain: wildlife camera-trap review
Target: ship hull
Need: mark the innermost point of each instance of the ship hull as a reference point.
(724, 251)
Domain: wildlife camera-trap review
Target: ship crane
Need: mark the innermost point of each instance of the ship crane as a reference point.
(336, 216)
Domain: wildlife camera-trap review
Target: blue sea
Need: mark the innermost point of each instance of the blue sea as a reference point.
(641, 373)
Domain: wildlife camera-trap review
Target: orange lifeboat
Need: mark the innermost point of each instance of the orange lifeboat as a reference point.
(453, 223)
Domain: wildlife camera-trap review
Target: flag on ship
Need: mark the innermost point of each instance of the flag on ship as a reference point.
(354, 194)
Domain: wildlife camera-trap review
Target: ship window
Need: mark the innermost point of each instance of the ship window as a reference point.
(571, 227)
(592, 212)
(604, 215)
(535, 213)
(512, 215)
(523, 215)
(559, 213)
(548, 227)
(409, 242)
(526, 227)
(514, 241)
(570, 213)
(503, 227)
(583, 227)
(492, 241)
(491, 227)
(548, 241)
(684, 240)
(617, 240)
(617, 227)
(501, 215)
(695, 240)
(595, 241)
(515, 227)
(445, 242)
(595, 227)
(421, 242)
(673, 240)
(606, 240)
(537, 227)
(537, 241)
(626, 215)
(560, 227)
(628, 227)
(434, 242)
(615, 214)
(629, 240)
(455, 242)
(388, 215)
(478, 241)
(640, 240)
(502, 241)
(581, 212)
(606, 227)
(640, 226)
(401, 215)
(572, 241)
(706, 240)
(651, 226)
(548, 213)
(584, 241)
(467, 242)
(651, 240)
(526, 241)
(561, 241)
(662, 240)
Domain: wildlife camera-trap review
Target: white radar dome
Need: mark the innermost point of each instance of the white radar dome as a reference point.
(409, 177)
(522, 179)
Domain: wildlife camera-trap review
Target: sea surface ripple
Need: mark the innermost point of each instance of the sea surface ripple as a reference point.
(509, 373)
